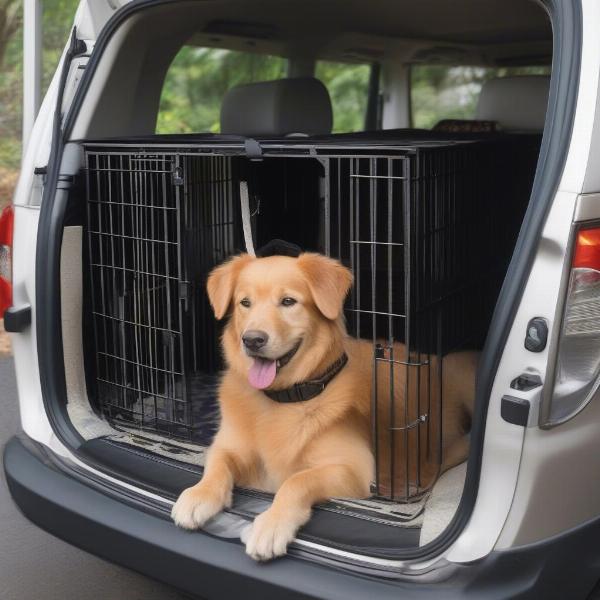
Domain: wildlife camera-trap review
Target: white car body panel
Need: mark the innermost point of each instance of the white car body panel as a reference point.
(581, 173)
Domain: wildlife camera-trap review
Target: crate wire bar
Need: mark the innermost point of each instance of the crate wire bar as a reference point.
(379, 248)
(150, 237)
(421, 228)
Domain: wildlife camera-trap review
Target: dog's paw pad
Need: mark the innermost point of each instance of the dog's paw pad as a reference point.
(268, 537)
(192, 510)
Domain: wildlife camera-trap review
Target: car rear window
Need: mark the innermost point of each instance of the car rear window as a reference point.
(199, 78)
(451, 92)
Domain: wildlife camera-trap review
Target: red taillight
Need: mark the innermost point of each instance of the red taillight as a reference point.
(587, 249)
(577, 371)
(6, 240)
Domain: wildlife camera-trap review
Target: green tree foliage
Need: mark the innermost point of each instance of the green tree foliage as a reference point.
(348, 86)
(57, 20)
(11, 86)
(10, 21)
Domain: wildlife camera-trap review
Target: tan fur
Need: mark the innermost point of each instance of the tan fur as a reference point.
(305, 452)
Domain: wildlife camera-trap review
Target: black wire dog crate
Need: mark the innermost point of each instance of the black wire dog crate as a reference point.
(427, 228)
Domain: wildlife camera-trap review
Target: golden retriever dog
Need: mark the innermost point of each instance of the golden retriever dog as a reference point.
(286, 326)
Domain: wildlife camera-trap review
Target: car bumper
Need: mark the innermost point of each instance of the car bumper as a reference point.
(122, 528)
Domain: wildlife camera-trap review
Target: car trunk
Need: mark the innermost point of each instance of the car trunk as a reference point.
(426, 220)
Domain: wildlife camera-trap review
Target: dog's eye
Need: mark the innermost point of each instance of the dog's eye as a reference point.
(287, 301)
(245, 302)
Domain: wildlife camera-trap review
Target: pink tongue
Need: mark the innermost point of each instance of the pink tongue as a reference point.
(262, 373)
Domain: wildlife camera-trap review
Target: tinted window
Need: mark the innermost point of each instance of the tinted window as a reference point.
(348, 86)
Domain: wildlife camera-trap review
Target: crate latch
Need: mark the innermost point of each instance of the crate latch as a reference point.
(177, 176)
(185, 290)
(253, 149)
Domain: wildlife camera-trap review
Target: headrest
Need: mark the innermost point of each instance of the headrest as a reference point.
(281, 107)
(515, 103)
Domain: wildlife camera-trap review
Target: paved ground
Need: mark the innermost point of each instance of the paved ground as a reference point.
(34, 564)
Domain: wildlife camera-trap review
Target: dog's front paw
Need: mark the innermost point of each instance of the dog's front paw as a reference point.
(194, 507)
(269, 536)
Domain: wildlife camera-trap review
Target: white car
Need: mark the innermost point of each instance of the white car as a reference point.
(479, 232)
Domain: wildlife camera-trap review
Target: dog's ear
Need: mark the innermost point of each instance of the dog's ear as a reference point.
(221, 283)
(328, 281)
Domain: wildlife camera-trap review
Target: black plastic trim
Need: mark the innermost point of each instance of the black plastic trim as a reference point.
(17, 318)
(47, 276)
(130, 530)
(515, 410)
(566, 20)
(537, 341)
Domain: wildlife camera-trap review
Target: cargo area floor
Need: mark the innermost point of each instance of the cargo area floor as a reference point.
(372, 526)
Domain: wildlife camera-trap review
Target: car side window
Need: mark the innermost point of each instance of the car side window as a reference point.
(348, 87)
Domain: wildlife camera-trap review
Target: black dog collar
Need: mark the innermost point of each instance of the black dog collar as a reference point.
(285, 359)
(307, 390)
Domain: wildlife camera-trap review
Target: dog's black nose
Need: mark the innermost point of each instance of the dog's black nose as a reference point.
(254, 340)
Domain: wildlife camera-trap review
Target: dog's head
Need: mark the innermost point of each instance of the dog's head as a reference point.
(285, 314)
